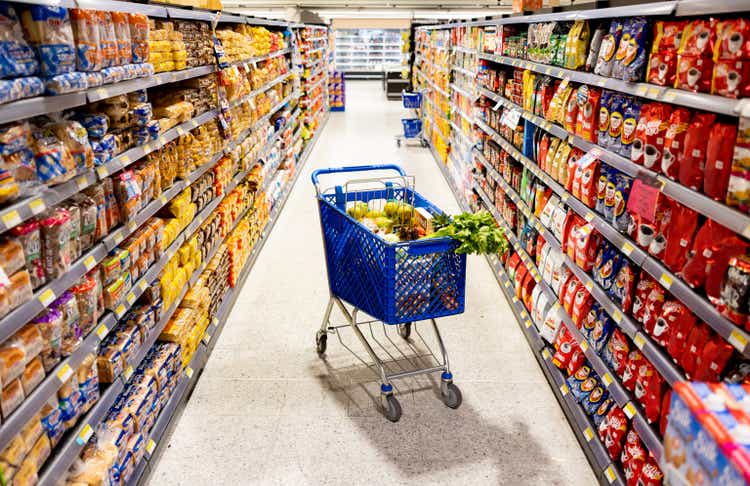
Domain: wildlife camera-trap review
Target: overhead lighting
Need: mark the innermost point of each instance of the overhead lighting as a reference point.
(409, 13)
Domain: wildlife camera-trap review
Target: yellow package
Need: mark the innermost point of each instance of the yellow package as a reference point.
(554, 145)
(577, 45)
(560, 163)
(558, 101)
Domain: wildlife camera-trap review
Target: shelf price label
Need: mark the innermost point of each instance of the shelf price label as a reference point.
(527, 323)
(737, 339)
(584, 345)
(11, 218)
(617, 316)
(627, 248)
(629, 410)
(47, 297)
(89, 262)
(588, 434)
(120, 310)
(189, 372)
(150, 446)
(665, 280)
(564, 389)
(607, 379)
(545, 354)
(102, 331)
(84, 435)
(128, 372)
(64, 373)
(639, 340)
(37, 206)
(609, 473)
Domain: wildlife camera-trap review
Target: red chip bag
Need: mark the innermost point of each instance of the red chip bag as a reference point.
(699, 263)
(694, 73)
(698, 38)
(673, 140)
(630, 372)
(571, 111)
(732, 39)
(588, 112)
(722, 253)
(680, 321)
(639, 139)
(527, 287)
(696, 340)
(572, 221)
(692, 160)
(513, 262)
(654, 303)
(667, 35)
(679, 234)
(651, 474)
(617, 428)
(588, 182)
(573, 172)
(662, 68)
(571, 295)
(577, 359)
(521, 273)
(617, 351)
(564, 345)
(719, 154)
(713, 359)
(642, 291)
(731, 78)
(581, 305)
(633, 457)
(586, 242)
(648, 390)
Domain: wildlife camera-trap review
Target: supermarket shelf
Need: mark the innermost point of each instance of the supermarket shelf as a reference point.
(706, 7)
(697, 303)
(458, 89)
(729, 217)
(313, 39)
(466, 50)
(462, 113)
(700, 101)
(317, 83)
(432, 83)
(463, 70)
(181, 13)
(313, 51)
(39, 105)
(262, 89)
(264, 57)
(72, 443)
(120, 6)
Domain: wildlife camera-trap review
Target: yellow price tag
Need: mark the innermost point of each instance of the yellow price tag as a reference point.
(102, 171)
(601, 82)
(665, 280)
(84, 435)
(150, 446)
(564, 389)
(506, 283)
(163, 200)
(189, 372)
(584, 345)
(64, 373)
(181, 131)
(565, 197)
(610, 474)
(89, 262)
(101, 93)
(101, 331)
(147, 147)
(120, 310)
(130, 298)
(125, 159)
(589, 216)
(207, 338)
(588, 434)
(653, 92)
(639, 340)
(737, 339)
(11, 218)
(627, 248)
(670, 95)
(128, 372)
(617, 316)
(629, 410)
(118, 237)
(607, 379)
(589, 285)
(143, 285)
(83, 182)
(545, 354)
(37, 206)
(641, 90)
(47, 297)
(527, 323)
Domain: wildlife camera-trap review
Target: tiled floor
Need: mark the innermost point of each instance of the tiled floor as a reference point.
(267, 410)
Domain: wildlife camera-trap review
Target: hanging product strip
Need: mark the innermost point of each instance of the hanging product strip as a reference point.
(15, 426)
(666, 366)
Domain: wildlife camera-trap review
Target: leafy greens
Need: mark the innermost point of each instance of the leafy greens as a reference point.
(476, 233)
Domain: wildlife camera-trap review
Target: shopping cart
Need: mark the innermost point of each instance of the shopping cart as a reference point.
(412, 126)
(398, 284)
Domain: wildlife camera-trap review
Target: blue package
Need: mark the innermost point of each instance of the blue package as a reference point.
(620, 217)
(19, 88)
(56, 46)
(609, 194)
(94, 79)
(67, 83)
(601, 412)
(139, 96)
(154, 129)
(632, 56)
(96, 125)
(17, 58)
(617, 105)
(141, 114)
(589, 321)
(603, 327)
(578, 378)
(629, 124)
(601, 187)
(595, 399)
(586, 388)
(606, 265)
(604, 118)
(608, 49)
(48, 158)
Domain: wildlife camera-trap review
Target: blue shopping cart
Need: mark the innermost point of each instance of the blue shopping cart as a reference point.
(396, 283)
(412, 126)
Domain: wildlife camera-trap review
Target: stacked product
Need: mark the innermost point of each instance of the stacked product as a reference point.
(336, 91)
(313, 44)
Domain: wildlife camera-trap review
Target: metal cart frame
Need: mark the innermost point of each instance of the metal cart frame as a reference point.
(411, 103)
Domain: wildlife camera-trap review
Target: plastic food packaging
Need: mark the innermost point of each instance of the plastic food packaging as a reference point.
(12, 396)
(139, 30)
(122, 34)
(54, 163)
(86, 32)
(107, 39)
(69, 396)
(67, 83)
(631, 56)
(608, 48)
(692, 160)
(19, 88)
(52, 421)
(12, 361)
(88, 382)
(29, 237)
(56, 229)
(50, 31)
(33, 375)
(50, 324)
(16, 57)
(72, 335)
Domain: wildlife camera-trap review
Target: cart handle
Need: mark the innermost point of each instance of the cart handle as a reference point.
(354, 168)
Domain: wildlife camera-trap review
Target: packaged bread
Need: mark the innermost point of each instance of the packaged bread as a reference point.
(69, 396)
(12, 256)
(52, 420)
(28, 235)
(66, 83)
(139, 35)
(88, 382)
(86, 297)
(53, 161)
(109, 364)
(40, 452)
(33, 375)
(107, 39)
(50, 324)
(12, 362)
(76, 139)
(49, 29)
(94, 469)
(32, 431)
(86, 31)
(122, 34)
(19, 290)
(26, 475)
(72, 335)
(18, 57)
(56, 228)
(15, 452)
(12, 396)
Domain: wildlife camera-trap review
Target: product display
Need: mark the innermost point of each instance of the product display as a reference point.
(337, 91)
(315, 78)
(621, 202)
(371, 50)
(126, 224)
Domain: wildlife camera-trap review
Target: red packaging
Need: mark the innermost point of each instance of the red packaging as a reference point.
(679, 234)
(654, 303)
(512, 265)
(587, 241)
(588, 112)
(588, 184)
(639, 138)
(692, 160)
(581, 305)
(722, 252)
(732, 39)
(571, 295)
(573, 173)
(673, 141)
(618, 349)
(713, 359)
(521, 274)
(648, 390)
(617, 428)
(680, 321)
(633, 458)
(731, 78)
(651, 474)
(630, 372)
(667, 35)
(696, 340)
(642, 291)
(564, 287)
(527, 287)
(623, 287)
(564, 345)
(694, 73)
(572, 220)
(571, 112)
(662, 68)
(656, 129)
(577, 359)
(719, 154)
(698, 264)
(665, 404)
(699, 37)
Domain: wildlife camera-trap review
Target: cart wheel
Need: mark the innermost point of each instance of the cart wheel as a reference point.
(453, 399)
(398, 142)
(321, 340)
(423, 142)
(404, 330)
(392, 408)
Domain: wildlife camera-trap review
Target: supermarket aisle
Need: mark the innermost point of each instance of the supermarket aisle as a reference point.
(267, 410)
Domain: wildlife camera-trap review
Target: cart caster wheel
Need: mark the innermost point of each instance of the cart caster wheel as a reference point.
(404, 330)
(321, 341)
(398, 142)
(423, 142)
(452, 398)
(392, 408)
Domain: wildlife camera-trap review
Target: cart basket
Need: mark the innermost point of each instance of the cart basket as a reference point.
(412, 127)
(411, 100)
(393, 282)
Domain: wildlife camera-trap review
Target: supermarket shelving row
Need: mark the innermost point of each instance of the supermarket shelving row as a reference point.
(432, 83)
(160, 433)
(262, 89)
(45, 296)
(463, 70)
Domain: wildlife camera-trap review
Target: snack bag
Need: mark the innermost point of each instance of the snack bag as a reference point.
(662, 68)
(692, 160)
(617, 428)
(17, 59)
(694, 73)
(718, 160)
(630, 372)
(629, 124)
(673, 142)
(713, 359)
(49, 30)
(696, 340)
(698, 38)
(721, 253)
(86, 31)
(571, 111)
(618, 102)
(735, 290)
(732, 39)
(577, 45)
(588, 113)
(604, 118)
(595, 46)
(679, 235)
(616, 351)
(622, 289)
(680, 321)
(608, 49)
(631, 56)
(731, 78)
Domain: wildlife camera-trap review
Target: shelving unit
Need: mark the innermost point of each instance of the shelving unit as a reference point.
(314, 61)
(370, 50)
(447, 67)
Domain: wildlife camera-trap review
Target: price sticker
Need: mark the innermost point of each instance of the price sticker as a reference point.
(102, 331)
(189, 372)
(588, 216)
(128, 372)
(609, 473)
(125, 159)
(564, 389)
(147, 148)
(181, 131)
(47, 297)
(588, 434)
(207, 338)
(629, 410)
(102, 171)
(101, 93)
(143, 285)
(120, 310)
(527, 323)
(607, 379)
(11, 219)
(150, 446)
(589, 285)
(161, 140)
(601, 82)
(545, 354)
(627, 248)
(670, 95)
(584, 345)
(64, 373)
(641, 90)
(548, 71)
(132, 226)
(653, 92)
(507, 284)
(565, 197)
(118, 237)
(84, 435)
(665, 280)
(89, 262)
(515, 300)
(738, 339)
(617, 316)
(130, 298)
(639, 340)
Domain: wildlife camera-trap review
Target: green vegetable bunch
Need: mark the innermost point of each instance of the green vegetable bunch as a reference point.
(477, 233)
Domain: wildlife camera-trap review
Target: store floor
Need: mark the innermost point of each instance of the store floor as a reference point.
(267, 410)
